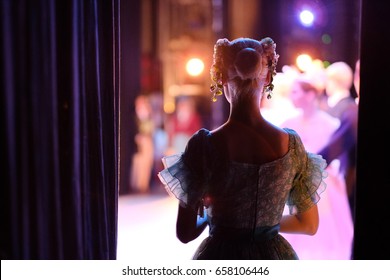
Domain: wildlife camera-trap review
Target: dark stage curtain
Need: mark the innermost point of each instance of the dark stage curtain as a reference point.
(372, 239)
(59, 121)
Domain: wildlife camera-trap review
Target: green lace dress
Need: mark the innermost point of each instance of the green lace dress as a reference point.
(243, 203)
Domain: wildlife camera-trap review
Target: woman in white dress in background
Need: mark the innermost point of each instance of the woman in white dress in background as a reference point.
(315, 127)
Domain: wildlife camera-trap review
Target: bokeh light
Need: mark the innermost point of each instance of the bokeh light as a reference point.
(306, 17)
(304, 62)
(326, 39)
(194, 66)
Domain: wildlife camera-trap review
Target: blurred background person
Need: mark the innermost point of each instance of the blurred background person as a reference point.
(182, 124)
(142, 162)
(160, 139)
(339, 81)
(342, 144)
(280, 107)
(316, 127)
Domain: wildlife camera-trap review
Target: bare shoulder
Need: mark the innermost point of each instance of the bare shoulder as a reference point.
(253, 144)
(220, 132)
(281, 134)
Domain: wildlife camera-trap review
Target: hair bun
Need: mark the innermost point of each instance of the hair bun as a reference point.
(248, 63)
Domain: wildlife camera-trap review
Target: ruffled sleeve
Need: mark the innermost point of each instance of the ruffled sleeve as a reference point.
(309, 182)
(184, 176)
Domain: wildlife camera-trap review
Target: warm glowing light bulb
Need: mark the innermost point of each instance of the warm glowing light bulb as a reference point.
(195, 66)
(304, 62)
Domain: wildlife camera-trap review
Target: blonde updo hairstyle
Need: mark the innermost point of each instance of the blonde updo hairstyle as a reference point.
(245, 62)
(341, 74)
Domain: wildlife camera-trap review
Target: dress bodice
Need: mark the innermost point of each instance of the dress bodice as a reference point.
(252, 194)
(243, 195)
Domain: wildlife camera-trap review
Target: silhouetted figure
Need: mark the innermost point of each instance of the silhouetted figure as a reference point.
(238, 177)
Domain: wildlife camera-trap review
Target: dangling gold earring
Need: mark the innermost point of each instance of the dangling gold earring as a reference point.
(268, 90)
(216, 88)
